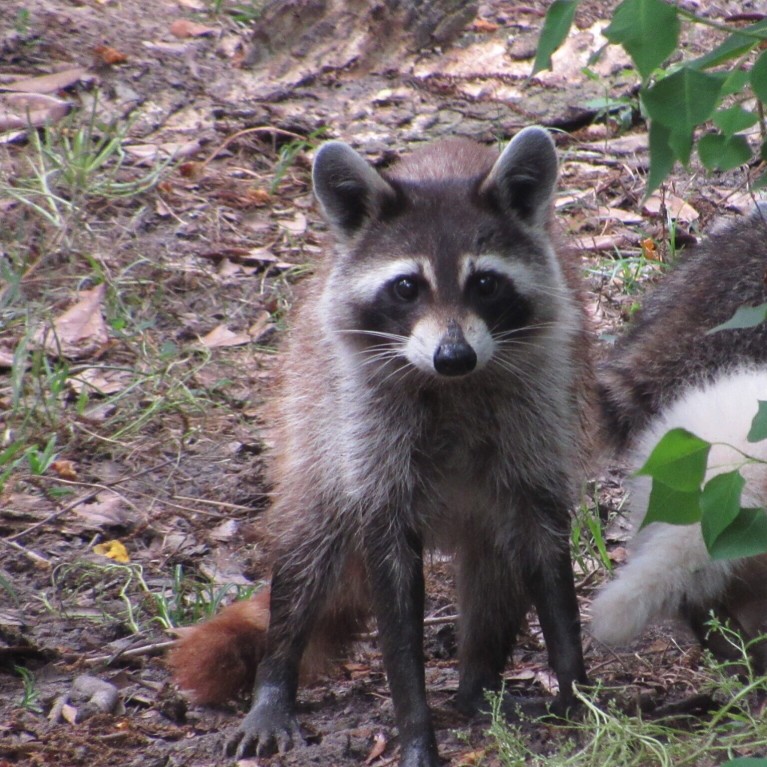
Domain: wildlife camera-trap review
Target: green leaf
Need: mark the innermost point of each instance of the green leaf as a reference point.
(680, 142)
(744, 317)
(734, 120)
(734, 82)
(559, 19)
(683, 100)
(720, 504)
(661, 156)
(674, 507)
(647, 29)
(718, 152)
(745, 537)
(746, 761)
(678, 461)
(758, 77)
(733, 47)
(758, 430)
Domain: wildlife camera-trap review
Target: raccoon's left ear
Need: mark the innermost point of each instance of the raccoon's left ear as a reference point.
(349, 189)
(523, 178)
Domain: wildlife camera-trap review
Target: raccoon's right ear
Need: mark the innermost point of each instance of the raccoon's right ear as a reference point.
(350, 191)
(523, 178)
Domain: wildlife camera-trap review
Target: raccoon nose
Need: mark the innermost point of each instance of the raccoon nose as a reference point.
(454, 356)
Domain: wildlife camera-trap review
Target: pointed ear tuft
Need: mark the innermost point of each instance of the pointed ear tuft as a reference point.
(523, 178)
(349, 189)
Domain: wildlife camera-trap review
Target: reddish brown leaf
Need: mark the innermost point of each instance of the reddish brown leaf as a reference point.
(65, 469)
(482, 25)
(185, 28)
(110, 55)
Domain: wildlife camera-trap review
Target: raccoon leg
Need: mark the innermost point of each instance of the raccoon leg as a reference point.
(395, 571)
(492, 607)
(552, 586)
(307, 567)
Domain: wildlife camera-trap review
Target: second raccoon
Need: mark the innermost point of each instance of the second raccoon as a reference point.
(432, 396)
(668, 372)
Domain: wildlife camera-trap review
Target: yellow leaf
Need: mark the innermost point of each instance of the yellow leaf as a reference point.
(114, 550)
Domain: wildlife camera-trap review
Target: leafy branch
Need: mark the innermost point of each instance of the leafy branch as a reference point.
(694, 103)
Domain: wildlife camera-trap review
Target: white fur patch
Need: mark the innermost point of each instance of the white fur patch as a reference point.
(520, 274)
(670, 564)
(364, 285)
(428, 333)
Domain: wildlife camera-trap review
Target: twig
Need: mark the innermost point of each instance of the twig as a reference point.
(38, 559)
(221, 504)
(83, 499)
(235, 136)
(368, 636)
(149, 649)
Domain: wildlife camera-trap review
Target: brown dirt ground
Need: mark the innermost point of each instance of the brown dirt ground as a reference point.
(177, 460)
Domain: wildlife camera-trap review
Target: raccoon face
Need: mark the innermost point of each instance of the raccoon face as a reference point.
(442, 273)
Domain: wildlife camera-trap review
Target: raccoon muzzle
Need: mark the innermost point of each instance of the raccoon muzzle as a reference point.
(454, 356)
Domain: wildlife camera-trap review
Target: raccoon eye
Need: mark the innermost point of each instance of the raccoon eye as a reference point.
(405, 288)
(487, 284)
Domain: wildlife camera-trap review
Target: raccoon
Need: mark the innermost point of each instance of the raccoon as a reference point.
(667, 372)
(667, 348)
(433, 395)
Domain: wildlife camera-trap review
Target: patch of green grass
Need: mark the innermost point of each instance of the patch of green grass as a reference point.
(631, 272)
(587, 542)
(72, 163)
(288, 153)
(123, 594)
(603, 734)
(240, 12)
(30, 695)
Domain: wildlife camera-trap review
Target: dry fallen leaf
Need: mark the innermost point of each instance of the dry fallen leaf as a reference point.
(80, 330)
(22, 110)
(296, 225)
(65, 469)
(482, 25)
(98, 381)
(379, 746)
(68, 713)
(47, 83)
(649, 250)
(105, 510)
(222, 336)
(472, 757)
(675, 206)
(186, 28)
(262, 323)
(110, 55)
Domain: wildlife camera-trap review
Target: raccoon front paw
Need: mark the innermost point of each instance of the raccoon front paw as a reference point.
(420, 753)
(266, 728)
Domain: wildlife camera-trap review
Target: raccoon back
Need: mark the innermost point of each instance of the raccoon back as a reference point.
(667, 347)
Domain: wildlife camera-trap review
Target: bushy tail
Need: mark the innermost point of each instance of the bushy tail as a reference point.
(669, 569)
(217, 660)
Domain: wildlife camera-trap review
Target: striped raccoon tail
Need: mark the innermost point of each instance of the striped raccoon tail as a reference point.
(670, 569)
